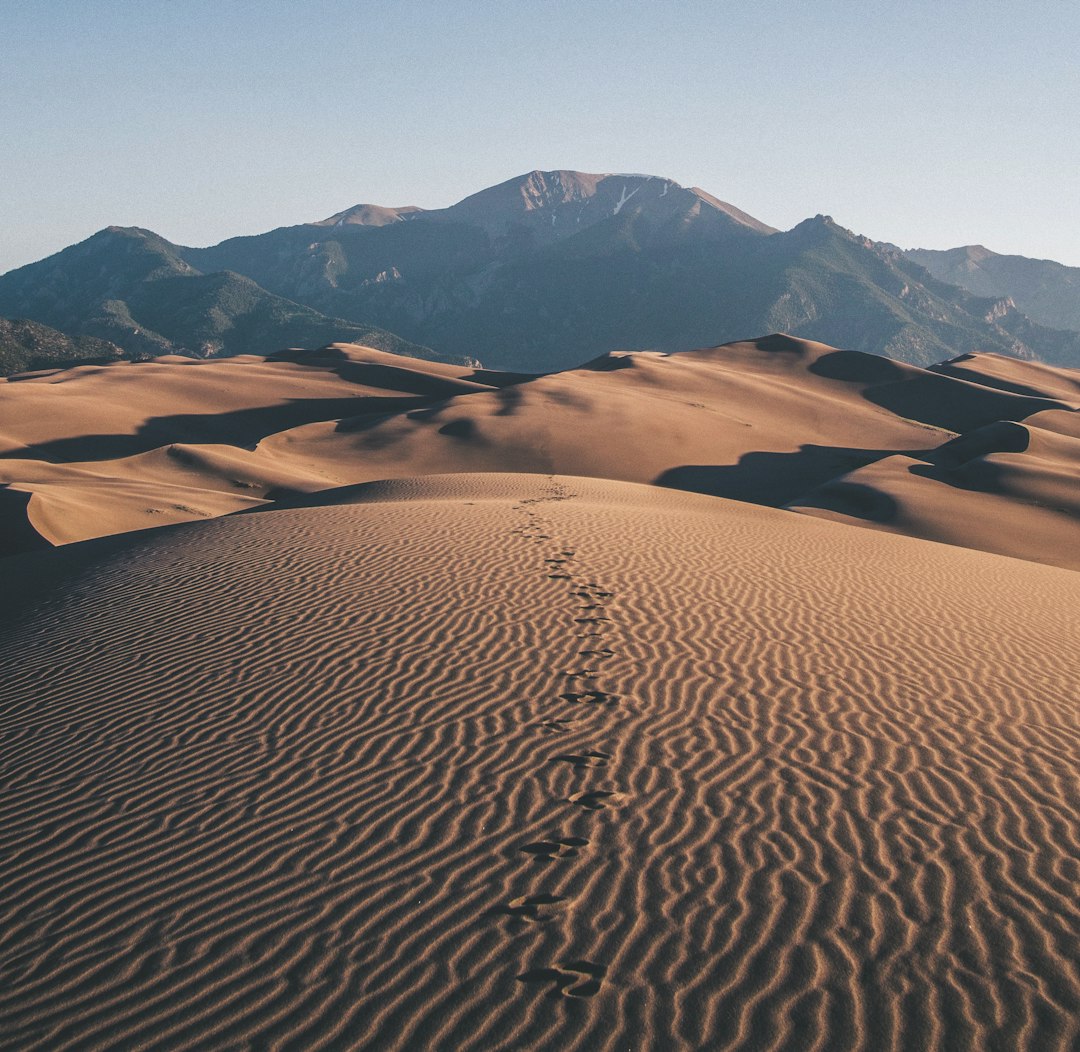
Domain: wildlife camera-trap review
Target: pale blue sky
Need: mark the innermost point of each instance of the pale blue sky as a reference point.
(924, 123)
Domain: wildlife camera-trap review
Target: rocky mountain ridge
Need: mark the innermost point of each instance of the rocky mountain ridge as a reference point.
(534, 274)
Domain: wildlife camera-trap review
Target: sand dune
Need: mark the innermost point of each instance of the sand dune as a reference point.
(104, 450)
(1014, 375)
(98, 412)
(776, 421)
(491, 762)
(447, 733)
(1010, 488)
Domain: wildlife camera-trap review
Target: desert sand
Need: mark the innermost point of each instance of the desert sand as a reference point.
(450, 709)
(493, 761)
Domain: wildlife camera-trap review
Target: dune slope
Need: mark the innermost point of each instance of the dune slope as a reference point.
(481, 762)
(1007, 487)
(109, 449)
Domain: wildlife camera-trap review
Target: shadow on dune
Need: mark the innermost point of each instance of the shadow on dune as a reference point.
(934, 397)
(858, 367)
(773, 479)
(378, 410)
(509, 400)
(397, 378)
(1021, 485)
(855, 499)
(241, 427)
(1002, 436)
(377, 374)
(607, 363)
(390, 378)
(780, 343)
(955, 368)
(499, 379)
(16, 533)
(942, 401)
(975, 476)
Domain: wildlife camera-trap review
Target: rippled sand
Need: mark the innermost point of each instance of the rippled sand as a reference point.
(525, 761)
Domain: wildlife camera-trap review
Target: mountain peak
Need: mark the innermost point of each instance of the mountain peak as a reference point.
(561, 202)
(129, 233)
(532, 191)
(816, 228)
(370, 215)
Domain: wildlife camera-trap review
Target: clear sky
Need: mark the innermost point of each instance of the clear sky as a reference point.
(928, 124)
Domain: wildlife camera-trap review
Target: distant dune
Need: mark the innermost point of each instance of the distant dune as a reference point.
(933, 453)
(490, 761)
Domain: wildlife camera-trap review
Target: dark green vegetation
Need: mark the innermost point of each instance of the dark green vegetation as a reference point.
(28, 345)
(538, 273)
(133, 289)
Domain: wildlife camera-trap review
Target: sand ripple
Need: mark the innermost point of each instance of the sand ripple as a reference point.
(527, 762)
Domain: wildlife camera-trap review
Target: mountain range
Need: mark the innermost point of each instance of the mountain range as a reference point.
(1047, 292)
(134, 290)
(541, 272)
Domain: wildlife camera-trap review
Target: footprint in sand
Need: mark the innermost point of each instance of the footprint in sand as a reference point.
(585, 673)
(557, 847)
(532, 907)
(602, 652)
(590, 697)
(571, 978)
(594, 799)
(594, 758)
(557, 724)
(590, 620)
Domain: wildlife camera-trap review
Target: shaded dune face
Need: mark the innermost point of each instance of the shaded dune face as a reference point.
(490, 761)
(776, 421)
(1010, 488)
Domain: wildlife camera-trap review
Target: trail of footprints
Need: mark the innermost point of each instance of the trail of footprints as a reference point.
(581, 686)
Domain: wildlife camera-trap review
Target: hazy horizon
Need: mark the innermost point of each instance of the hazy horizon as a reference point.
(202, 121)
